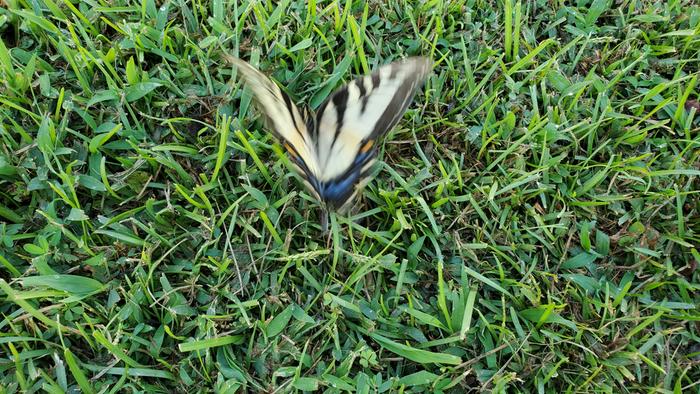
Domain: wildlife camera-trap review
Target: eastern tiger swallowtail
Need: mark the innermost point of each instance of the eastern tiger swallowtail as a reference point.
(335, 148)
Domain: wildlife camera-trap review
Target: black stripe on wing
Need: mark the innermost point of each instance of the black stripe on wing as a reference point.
(340, 102)
(290, 108)
(397, 106)
(360, 83)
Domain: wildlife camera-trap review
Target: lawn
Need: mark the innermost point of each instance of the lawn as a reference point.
(533, 225)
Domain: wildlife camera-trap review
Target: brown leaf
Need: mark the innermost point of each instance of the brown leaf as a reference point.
(690, 104)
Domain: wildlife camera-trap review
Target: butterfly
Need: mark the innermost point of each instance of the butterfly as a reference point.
(334, 149)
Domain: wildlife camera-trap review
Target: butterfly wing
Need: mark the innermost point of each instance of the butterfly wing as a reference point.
(350, 122)
(336, 156)
(285, 120)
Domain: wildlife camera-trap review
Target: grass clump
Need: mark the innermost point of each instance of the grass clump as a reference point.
(533, 227)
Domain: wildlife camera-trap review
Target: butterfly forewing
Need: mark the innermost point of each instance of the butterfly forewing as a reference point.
(351, 121)
(284, 119)
(356, 115)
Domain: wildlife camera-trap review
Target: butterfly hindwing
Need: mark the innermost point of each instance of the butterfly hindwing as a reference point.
(335, 149)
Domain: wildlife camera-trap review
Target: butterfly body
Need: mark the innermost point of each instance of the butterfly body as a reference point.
(334, 149)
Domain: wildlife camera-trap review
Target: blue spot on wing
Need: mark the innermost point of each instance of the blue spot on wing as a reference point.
(337, 191)
(362, 158)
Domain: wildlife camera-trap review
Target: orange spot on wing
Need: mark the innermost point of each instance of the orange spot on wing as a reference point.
(367, 146)
(290, 150)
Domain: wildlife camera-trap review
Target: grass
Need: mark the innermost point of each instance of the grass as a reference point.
(533, 227)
